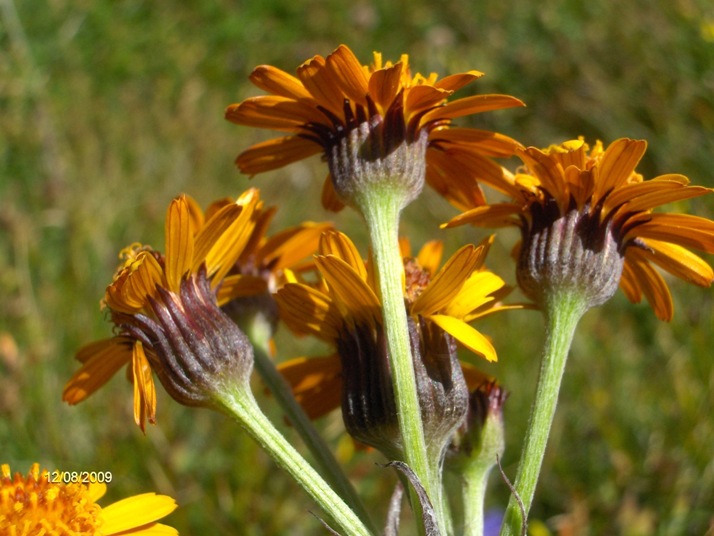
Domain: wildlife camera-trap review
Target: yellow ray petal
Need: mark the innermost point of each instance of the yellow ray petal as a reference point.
(447, 283)
(101, 360)
(351, 290)
(430, 254)
(136, 511)
(306, 310)
(152, 529)
(339, 245)
(474, 377)
(275, 153)
(179, 237)
(287, 248)
(278, 82)
(466, 335)
(130, 291)
(476, 292)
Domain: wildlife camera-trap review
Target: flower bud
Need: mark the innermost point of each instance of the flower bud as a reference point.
(368, 405)
(197, 348)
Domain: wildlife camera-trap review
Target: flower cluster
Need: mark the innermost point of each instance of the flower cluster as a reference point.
(399, 325)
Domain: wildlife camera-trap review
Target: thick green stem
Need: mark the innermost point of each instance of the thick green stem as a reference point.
(562, 314)
(240, 404)
(380, 208)
(259, 334)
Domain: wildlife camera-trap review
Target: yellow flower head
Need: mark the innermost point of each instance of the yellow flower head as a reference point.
(345, 302)
(332, 98)
(604, 211)
(209, 244)
(35, 504)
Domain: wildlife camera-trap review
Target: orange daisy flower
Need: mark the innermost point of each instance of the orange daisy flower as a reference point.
(212, 242)
(597, 197)
(36, 504)
(332, 97)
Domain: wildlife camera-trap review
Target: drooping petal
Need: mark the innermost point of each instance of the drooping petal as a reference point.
(651, 284)
(101, 360)
(466, 335)
(329, 198)
(144, 389)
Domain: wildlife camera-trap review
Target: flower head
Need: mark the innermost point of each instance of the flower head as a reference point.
(587, 221)
(373, 124)
(34, 504)
(198, 246)
(343, 308)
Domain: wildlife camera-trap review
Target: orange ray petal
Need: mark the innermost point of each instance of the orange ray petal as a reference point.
(617, 164)
(485, 142)
(278, 82)
(329, 198)
(498, 215)
(316, 383)
(276, 153)
(447, 283)
(179, 237)
(106, 358)
(423, 97)
(472, 105)
(276, 113)
(474, 377)
(306, 310)
(322, 84)
(682, 229)
(351, 290)
(384, 85)
(651, 284)
(466, 335)
(144, 389)
(455, 82)
(339, 245)
(350, 74)
(288, 247)
(240, 286)
(679, 262)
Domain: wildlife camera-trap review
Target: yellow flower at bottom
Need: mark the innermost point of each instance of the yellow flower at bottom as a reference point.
(35, 505)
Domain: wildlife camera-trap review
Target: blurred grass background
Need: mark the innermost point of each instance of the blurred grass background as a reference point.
(108, 109)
